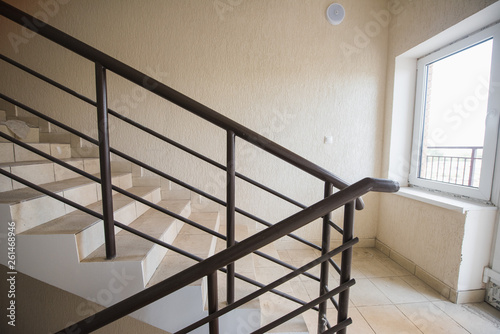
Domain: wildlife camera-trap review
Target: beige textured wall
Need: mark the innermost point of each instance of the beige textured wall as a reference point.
(416, 230)
(276, 66)
(429, 236)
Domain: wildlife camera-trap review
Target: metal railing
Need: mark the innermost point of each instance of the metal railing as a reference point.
(348, 196)
(459, 165)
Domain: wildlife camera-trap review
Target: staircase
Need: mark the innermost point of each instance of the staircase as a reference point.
(65, 247)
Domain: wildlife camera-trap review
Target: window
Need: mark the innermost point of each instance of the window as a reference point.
(456, 116)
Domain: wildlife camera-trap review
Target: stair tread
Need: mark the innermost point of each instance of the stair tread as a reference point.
(26, 194)
(35, 144)
(77, 221)
(130, 247)
(39, 162)
(190, 239)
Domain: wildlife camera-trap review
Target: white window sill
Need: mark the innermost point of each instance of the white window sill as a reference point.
(447, 202)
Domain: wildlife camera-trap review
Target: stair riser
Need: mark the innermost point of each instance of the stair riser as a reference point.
(40, 173)
(54, 137)
(29, 214)
(33, 135)
(92, 238)
(13, 153)
(157, 253)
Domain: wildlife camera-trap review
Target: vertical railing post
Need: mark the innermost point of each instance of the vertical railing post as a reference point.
(213, 302)
(104, 158)
(345, 269)
(230, 210)
(472, 170)
(325, 248)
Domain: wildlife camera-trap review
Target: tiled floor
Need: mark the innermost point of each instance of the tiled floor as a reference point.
(388, 299)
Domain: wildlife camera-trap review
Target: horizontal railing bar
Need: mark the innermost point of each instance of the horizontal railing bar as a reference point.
(455, 147)
(49, 119)
(335, 266)
(265, 223)
(304, 308)
(149, 131)
(269, 286)
(334, 302)
(284, 264)
(49, 157)
(271, 191)
(47, 80)
(336, 227)
(339, 326)
(51, 194)
(167, 176)
(232, 254)
(160, 89)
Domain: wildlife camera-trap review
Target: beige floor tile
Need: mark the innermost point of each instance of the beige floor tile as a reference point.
(423, 288)
(373, 268)
(359, 324)
(365, 293)
(360, 253)
(393, 266)
(397, 290)
(430, 319)
(470, 317)
(388, 319)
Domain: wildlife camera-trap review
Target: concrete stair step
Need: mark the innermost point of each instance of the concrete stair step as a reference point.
(130, 247)
(191, 240)
(10, 152)
(55, 137)
(273, 306)
(87, 229)
(30, 208)
(40, 172)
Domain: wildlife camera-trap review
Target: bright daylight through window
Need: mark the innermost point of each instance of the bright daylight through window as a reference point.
(455, 132)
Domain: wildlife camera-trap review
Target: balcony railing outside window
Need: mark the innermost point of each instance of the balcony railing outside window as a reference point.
(460, 165)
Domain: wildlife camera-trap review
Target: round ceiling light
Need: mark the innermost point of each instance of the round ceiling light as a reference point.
(335, 13)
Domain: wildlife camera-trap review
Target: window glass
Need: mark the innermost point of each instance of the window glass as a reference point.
(456, 101)
(456, 121)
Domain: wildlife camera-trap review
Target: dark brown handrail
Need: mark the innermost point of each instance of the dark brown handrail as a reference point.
(171, 95)
(234, 253)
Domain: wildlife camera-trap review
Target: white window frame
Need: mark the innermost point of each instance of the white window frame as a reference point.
(483, 192)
